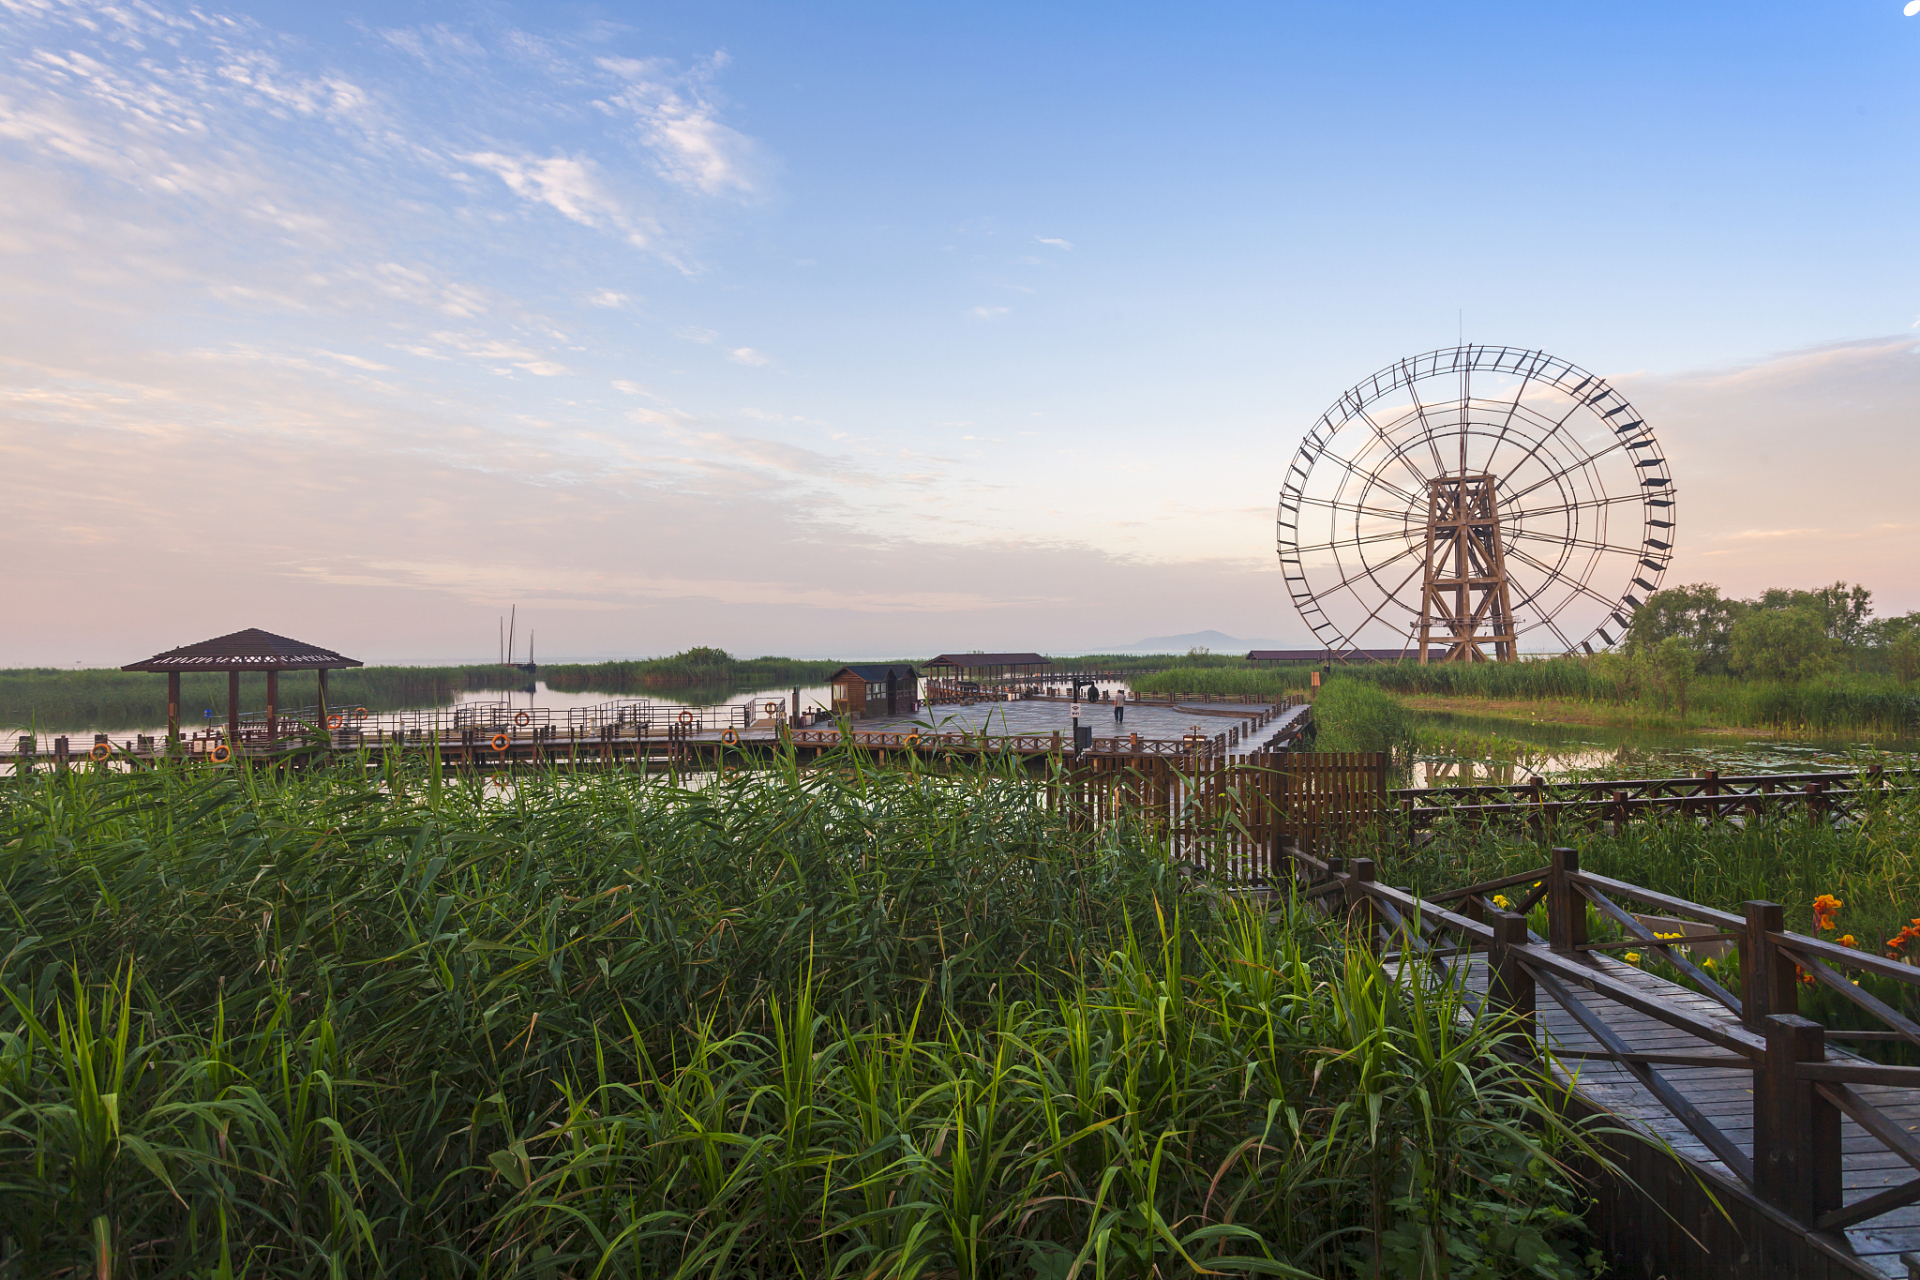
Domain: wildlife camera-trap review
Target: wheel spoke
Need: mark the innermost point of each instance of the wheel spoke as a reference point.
(1587, 460)
(1367, 476)
(1366, 571)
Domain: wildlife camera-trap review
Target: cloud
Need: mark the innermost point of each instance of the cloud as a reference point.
(747, 355)
(678, 121)
(569, 185)
(607, 298)
(1058, 244)
(988, 313)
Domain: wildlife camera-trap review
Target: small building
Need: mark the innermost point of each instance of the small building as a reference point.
(875, 689)
(1318, 656)
(955, 677)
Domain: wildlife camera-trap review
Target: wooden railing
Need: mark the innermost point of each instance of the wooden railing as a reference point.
(1540, 805)
(1799, 1089)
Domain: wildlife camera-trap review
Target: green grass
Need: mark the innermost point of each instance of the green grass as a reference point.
(828, 1023)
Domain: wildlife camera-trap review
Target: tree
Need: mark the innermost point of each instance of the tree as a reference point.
(1696, 614)
(1780, 644)
(1845, 610)
(1903, 655)
(1673, 663)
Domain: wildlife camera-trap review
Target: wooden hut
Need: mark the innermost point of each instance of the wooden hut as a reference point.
(875, 689)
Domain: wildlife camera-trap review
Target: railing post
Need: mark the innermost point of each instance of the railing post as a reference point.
(1509, 984)
(1620, 812)
(1816, 808)
(1566, 905)
(1358, 897)
(1796, 1132)
(1767, 980)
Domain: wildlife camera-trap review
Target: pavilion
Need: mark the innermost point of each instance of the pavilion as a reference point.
(249, 650)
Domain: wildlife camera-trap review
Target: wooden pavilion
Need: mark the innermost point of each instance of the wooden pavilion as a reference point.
(249, 650)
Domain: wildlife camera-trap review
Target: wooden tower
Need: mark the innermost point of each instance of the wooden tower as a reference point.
(1465, 613)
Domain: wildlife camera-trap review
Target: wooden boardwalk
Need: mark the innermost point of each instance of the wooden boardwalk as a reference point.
(1780, 1153)
(1724, 1095)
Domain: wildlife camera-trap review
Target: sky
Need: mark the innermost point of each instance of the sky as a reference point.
(863, 330)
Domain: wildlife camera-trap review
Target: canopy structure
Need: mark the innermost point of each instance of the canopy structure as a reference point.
(249, 650)
(986, 664)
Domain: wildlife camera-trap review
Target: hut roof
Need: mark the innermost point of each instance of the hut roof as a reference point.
(877, 671)
(249, 650)
(985, 661)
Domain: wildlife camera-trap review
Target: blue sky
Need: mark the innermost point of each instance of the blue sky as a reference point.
(887, 329)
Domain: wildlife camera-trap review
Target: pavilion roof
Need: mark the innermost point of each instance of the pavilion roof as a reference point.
(249, 650)
(984, 661)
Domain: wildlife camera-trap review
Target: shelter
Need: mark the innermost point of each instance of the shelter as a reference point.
(875, 689)
(975, 666)
(249, 650)
(1329, 655)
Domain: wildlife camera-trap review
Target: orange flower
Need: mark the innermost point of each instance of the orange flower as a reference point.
(1846, 940)
(1825, 907)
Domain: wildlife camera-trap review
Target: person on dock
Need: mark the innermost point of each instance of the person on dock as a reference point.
(1119, 706)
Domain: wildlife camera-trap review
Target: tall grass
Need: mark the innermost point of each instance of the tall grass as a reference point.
(835, 1023)
(1837, 702)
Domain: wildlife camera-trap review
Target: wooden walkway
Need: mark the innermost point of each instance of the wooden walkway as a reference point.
(1723, 1095)
(1782, 1153)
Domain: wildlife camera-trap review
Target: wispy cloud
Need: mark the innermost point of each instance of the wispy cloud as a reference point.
(1058, 244)
(988, 313)
(747, 355)
(570, 185)
(679, 122)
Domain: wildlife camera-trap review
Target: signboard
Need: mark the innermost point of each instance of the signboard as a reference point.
(1075, 708)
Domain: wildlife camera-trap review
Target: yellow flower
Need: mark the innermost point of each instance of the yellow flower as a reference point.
(1707, 963)
(1632, 957)
(1500, 901)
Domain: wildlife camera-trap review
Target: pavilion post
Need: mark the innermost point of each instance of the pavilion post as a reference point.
(273, 703)
(233, 708)
(173, 710)
(323, 699)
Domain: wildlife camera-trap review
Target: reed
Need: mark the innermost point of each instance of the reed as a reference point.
(1615, 684)
(839, 1022)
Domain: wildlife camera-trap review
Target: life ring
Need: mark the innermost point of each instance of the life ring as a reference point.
(729, 737)
(773, 708)
(498, 779)
(686, 717)
(222, 754)
(335, 720)
(359, 713)
(100, 751)
(913, 740)
(501, 742)
(522, 719)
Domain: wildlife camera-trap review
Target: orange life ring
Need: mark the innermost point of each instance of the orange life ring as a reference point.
(686, 717)
(335, 720)
(498, 779)
(359, 713)
(522, 718)
(100, 751)
(729, 737)
(222, 754)
(913, 739)
(773, 708)
(501, 742)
